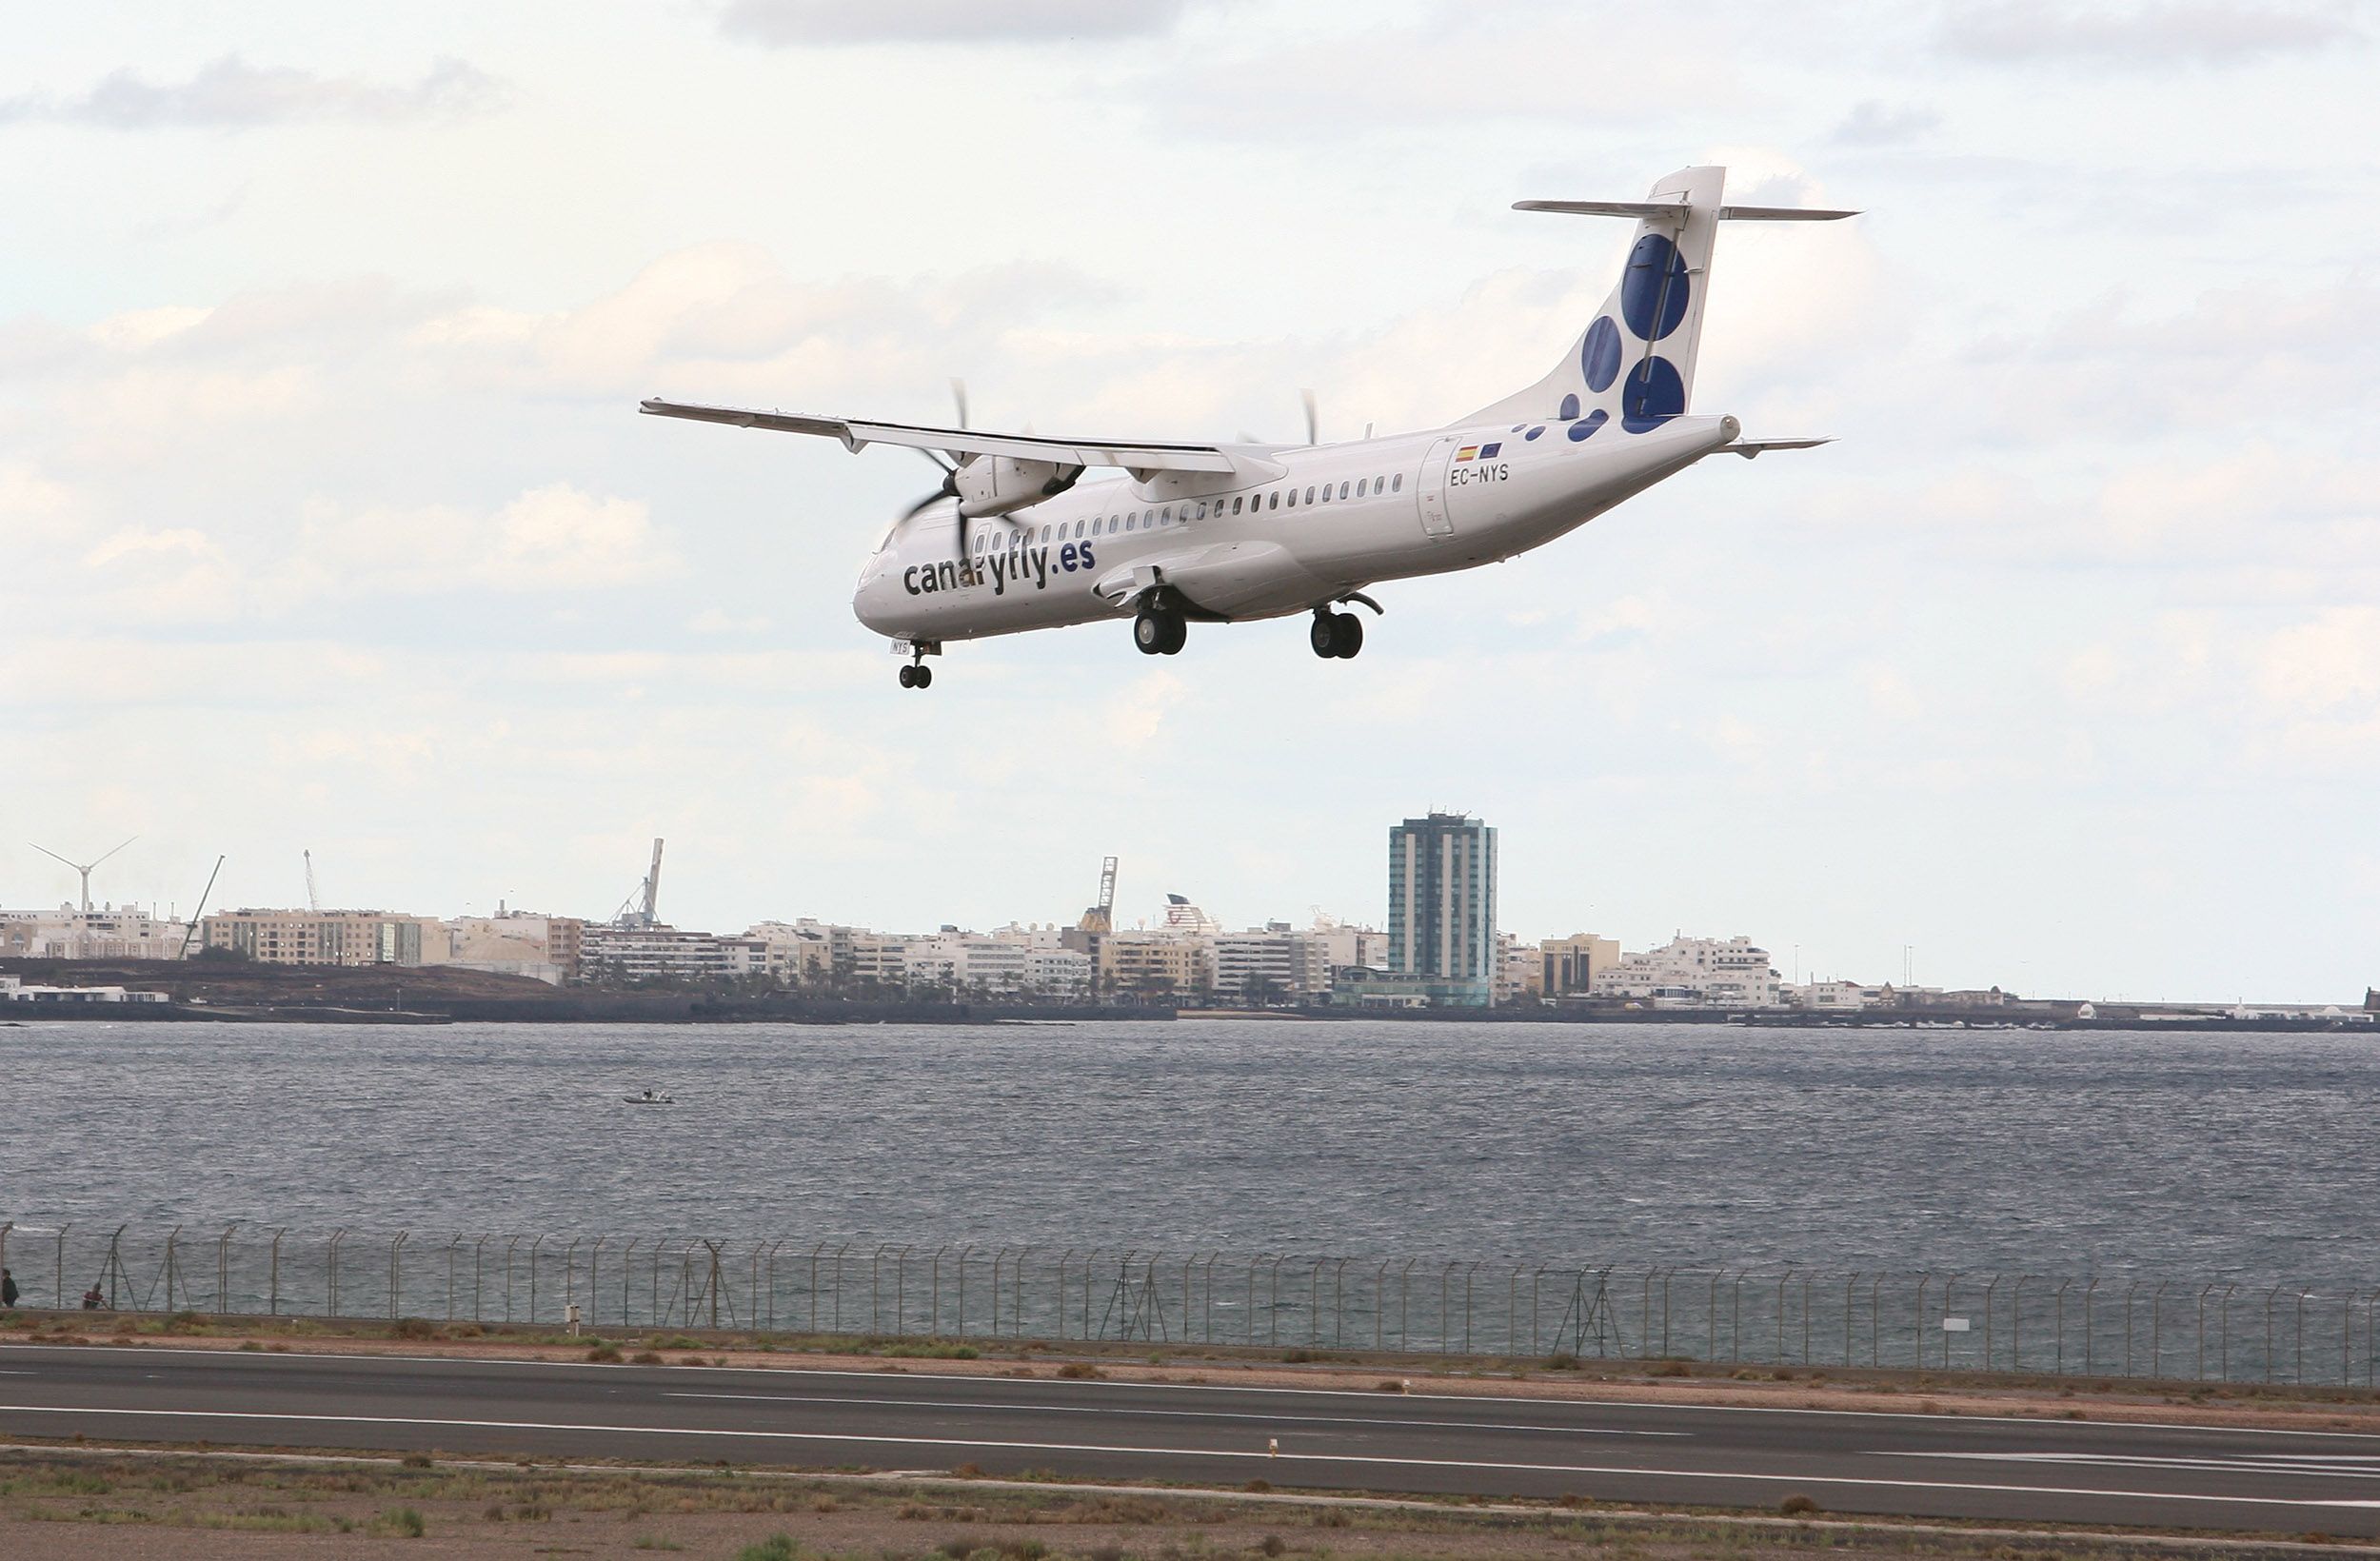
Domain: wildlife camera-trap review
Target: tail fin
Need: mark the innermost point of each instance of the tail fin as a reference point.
(1635, 361)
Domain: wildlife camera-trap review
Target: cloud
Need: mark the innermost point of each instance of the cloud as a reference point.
(2157, 33)
(230, 93)
(552, 538)
(790, 24)
(1872, 124)
(2328, 661)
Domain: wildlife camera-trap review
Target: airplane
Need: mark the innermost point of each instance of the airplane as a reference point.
(1224, 533)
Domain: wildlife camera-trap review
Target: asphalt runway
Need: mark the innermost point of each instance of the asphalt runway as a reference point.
(1917, 1465)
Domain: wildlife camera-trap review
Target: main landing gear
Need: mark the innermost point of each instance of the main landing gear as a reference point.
(916, 674)
(1161, 630)
(1335, 635)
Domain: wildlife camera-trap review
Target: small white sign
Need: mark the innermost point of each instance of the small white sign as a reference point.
(1955, 1325)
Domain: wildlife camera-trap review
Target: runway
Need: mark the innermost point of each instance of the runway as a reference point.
(1936, 1466)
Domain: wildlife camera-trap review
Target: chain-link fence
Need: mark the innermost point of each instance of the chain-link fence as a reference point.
(2227, 1329)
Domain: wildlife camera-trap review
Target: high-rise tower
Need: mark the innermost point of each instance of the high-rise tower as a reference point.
(1441, 906)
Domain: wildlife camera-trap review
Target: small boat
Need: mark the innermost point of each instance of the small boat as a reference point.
(651, 1098)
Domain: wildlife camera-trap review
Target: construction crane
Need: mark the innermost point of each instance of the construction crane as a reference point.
(313, 900)
(81, 867)
(637, 909)
(198, 917)
(1102, 916)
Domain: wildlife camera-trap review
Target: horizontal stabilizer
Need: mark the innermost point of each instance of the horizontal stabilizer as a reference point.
(1656, 210)
(1749, 448)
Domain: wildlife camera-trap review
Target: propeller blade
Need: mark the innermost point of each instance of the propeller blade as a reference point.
(940, 465)
(959, 394)
(1307, 396)
(922, 506)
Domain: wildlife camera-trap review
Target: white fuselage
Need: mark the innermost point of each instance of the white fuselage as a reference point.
(1293, 529)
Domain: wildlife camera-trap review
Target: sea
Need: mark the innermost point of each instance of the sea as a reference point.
(1697, 1146)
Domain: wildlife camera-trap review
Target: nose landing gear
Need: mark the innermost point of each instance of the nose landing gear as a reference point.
(916, 674)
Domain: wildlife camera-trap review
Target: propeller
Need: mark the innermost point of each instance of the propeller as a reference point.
(949, 489)
(1307, 396)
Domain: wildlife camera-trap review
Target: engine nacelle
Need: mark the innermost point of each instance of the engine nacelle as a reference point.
(998, 484)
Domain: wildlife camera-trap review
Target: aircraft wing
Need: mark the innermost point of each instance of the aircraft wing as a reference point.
(1749, 448)
(856, 435)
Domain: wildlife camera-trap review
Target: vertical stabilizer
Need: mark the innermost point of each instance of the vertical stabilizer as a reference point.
(1635, 361)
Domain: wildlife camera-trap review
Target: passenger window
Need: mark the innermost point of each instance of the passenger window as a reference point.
(1275, 504)
(1359, 488)
(1293, 498)
(1309, 496)
(1396, 484)
(1169, 512)
(1078, 529)
(1046, 533)
(1343, 490)
(1326, 493)
(1235, 506)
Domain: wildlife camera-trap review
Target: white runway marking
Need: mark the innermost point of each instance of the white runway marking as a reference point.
(1166, 1414)
(2317, 1466)
(1620, 1470)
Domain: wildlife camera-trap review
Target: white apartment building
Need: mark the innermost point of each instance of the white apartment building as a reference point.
(1055, 972)
(1721, 973)
(1834, 997)
(663, 953)
(517, 943)
(1271, 960)
(1344, 945)
(112, 931)
(328, 938)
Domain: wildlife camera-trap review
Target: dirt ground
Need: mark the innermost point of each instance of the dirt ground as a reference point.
(74, 1503)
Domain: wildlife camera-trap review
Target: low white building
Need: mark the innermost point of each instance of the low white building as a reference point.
(517, 943)
(13, 990)
(1834, 997)
(1710, 972)
(112, 931)
(662, 953)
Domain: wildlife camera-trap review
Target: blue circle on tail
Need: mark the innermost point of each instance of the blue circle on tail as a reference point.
(1652, 395)
(1584, 429)
(1656, 282)
(1570, 409)
(1598, 356)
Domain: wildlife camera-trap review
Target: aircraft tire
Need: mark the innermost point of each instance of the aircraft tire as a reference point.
(1323, 636)
(924, 675)
(910, 677)
(1177, 634)
(1346, 635)
(1148, 632)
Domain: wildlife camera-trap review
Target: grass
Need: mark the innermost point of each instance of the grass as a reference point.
(402, 1522)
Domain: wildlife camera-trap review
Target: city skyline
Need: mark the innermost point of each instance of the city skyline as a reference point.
(332, 524)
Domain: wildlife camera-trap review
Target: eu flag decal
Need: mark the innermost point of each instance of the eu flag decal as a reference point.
(1487, 450)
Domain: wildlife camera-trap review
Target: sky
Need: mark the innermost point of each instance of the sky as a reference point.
(327, 521)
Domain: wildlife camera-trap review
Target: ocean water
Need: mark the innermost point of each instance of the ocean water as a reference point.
(1699, 1146)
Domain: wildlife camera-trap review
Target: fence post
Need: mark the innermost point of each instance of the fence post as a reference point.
(1918, 1327)
(331, 1295)
(2060, 1325)
(479, 1250)
(450, 1262)
(223, 1267)
(2298, 1372)
(2017, 1324)
(395, 1274)
(570, 1279)
(1949, 1286)
(510, 1242)
(273, 1304)
(1781, 1280)
(534, 1248)
(1988, 1292)
(966, 1252)
(594, 1264)
(171, 1236)
(2203, 1293)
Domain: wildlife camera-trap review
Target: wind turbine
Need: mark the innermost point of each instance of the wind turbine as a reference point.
(84, 868)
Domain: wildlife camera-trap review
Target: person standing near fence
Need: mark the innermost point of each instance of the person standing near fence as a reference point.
(8, 1288)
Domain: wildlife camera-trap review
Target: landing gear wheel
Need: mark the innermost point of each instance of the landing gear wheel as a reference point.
(1346, 635)
(910, 676)
(1159, 631)
(1323, 636)
(923, 676)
